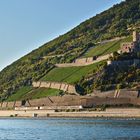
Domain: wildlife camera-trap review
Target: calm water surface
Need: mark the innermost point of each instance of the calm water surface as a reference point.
(69, 129)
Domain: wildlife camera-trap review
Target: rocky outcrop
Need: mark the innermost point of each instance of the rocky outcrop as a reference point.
(56, 85)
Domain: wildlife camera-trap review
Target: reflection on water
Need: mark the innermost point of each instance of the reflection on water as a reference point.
(69, 129)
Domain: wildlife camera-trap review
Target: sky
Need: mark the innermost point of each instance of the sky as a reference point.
(27, 24)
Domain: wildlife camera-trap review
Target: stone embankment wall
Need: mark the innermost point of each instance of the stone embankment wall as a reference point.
(56, 85)
(116, 94)
(61, 102)
(9, 104)
(124, 97)
(67, 100)
(107, 101)
(84, 61)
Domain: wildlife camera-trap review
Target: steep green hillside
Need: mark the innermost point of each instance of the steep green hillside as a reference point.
(109, 77)
(27, 92)
(109, 24)
(106, 48)
(20, 93)
(71, 74)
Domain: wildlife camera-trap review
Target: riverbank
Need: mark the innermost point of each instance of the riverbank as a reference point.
(110, 112)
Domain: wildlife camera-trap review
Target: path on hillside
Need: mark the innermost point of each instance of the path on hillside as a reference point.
(84, 61)
(111, 40)
(89, 60)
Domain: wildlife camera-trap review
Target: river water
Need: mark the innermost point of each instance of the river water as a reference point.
(69, 129)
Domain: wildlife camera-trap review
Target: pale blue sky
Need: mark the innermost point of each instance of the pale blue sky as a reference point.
(27, 24)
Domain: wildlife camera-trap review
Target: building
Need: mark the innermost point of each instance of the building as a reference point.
(131, 46)
(128, 47)
(136, 36)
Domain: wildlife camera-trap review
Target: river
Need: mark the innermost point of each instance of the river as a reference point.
(69, 129)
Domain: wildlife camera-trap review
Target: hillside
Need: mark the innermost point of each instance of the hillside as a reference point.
(106, 48)
(111, 23)
(27, 92)
(71, 74)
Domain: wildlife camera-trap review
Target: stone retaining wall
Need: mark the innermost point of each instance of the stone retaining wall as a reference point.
(123, 62)
(135, 101)
(107, 101)
(84, 61)
(125, 97)
(86, 102)
(56, 85)
(40, 102)
(117, 94)
(17, 103)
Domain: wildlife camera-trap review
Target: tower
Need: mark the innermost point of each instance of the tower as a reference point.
(135, 36)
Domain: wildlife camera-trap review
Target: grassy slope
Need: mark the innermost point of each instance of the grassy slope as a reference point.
(30, 93)
(106, 48)
(109, 24)
(41, 92)
(19, 94)
(74, 74)
(69, 75)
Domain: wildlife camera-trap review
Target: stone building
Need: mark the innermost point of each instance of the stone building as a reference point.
(124, 62)
(136, 36)
(131, 46)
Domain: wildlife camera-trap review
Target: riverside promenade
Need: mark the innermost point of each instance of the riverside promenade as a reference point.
(110, 112)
